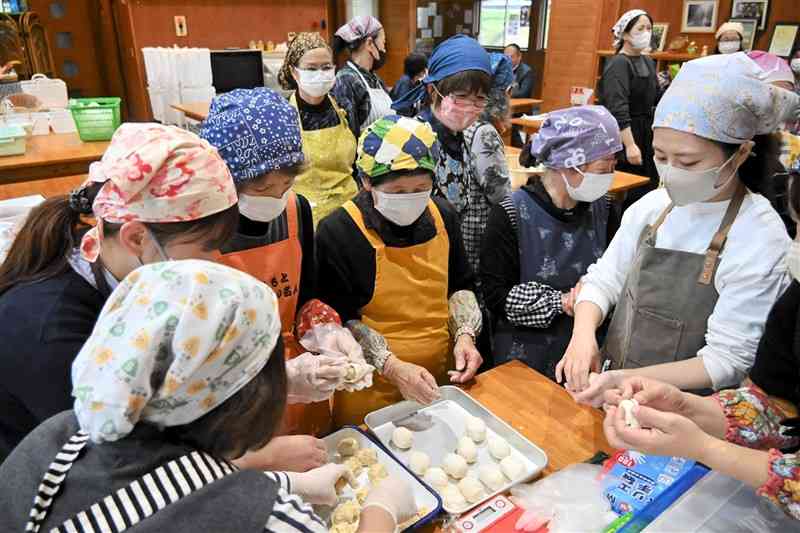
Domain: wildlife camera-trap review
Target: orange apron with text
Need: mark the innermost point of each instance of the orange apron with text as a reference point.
(409, 307)
(279, 266)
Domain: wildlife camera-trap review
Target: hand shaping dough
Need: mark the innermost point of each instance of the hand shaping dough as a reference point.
(476, 429)
(492, 477)
(467, 449)
(452, 497)
(402, 438)
(347, 447)
(367, 456)
(628, 406)
(354, 465)
(455, 466)
(499, 448)
(356, 372)
(436, 478)
(472, 489)
(419, 462)
(377, 472)
(512, 467)
(346, 513)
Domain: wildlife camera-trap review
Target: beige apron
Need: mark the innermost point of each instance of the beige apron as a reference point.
(662, 313)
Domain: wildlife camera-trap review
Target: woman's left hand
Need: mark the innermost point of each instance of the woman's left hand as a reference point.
(468, 360)
(660, 433)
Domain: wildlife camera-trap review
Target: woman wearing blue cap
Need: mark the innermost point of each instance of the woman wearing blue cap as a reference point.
(695, 266)
(541, 239)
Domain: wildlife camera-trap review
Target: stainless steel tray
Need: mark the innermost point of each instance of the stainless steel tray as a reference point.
(426, 498)
(449, 416)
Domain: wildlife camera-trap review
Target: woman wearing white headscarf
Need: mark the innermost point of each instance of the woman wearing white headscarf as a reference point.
(695, 266)
(183, 373)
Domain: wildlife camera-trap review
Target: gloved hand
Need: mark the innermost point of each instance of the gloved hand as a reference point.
(313, 378)
(318, 486)
(332, 340)
(393, 495)
(414, 382)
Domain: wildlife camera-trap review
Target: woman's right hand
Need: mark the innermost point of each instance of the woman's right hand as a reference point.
(633, 154)
(581, 358)
(651, 393)
(413, 381)
(287, 453)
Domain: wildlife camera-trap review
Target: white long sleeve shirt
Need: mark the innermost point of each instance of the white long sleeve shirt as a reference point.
(750, 276)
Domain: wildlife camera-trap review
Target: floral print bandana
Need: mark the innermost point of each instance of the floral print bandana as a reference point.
(174, 340)
(155, 173)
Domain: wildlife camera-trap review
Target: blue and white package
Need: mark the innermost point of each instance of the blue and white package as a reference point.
(637, 479)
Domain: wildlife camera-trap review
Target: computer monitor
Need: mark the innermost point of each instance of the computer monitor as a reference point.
(236, 69)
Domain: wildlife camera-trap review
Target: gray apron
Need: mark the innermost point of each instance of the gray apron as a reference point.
(662, 313)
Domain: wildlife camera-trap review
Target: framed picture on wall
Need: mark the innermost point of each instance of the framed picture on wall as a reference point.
(751, 9)
(750, 28)
(783, 38)
(659, 39)
(699, 16)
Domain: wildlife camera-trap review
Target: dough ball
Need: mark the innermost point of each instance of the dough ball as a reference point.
(452, 497)
(354, 465)
(472, 489)
(512, 467)
(343, 528)
(346, 513)
(476, 429)
(347, 447)
(402, 438)
(628, 406)
(419, 462)
(467, 449)
(436, 478)
(367, 456)
(362, 493)
(455, 466)
(492, 477)
(499, 448)
(377, 472)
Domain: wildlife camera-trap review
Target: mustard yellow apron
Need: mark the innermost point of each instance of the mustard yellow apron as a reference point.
(409, 308)
(331, 152)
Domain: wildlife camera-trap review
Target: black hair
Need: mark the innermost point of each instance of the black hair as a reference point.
(467, 81)
(340, 45)
(293, 171)
(629, 27)
(393, 175)
(757, 170)
(515, 46)
(246, 421)
(415, 63)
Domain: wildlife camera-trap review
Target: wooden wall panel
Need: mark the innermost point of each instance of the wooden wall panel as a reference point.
(399, 21)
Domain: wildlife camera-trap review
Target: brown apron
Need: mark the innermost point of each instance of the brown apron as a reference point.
(662, 313)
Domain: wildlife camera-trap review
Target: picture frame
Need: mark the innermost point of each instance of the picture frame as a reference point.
(751, 9)
(750, 29)
(784, 36)
(699, 16)
(659, 40)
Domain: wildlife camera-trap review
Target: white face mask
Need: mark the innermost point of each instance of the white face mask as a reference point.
(796, 65)
(316, 82)
(641, 40)
(729, 47)
(592, 188)
(793, 259)
(262, 208)
(402, 209)
(689, 186)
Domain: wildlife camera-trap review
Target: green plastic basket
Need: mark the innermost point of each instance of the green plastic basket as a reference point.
(96, 118)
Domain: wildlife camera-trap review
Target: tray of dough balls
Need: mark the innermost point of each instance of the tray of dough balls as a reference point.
(468, 455)
(369, 463)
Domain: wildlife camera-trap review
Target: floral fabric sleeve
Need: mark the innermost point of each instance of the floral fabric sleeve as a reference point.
(374, 345)
(752, 420)
(465, 315)
(783, 485)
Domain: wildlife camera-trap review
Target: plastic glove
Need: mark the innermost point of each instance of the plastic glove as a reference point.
(313, 378)
(414, 382)
(393, 495)
(318, 486)
(652, 393)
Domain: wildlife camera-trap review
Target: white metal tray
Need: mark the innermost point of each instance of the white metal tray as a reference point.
(426, 498)
(450, 418)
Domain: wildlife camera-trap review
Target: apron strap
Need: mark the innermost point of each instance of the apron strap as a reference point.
(373, 237)
(293, 228)
(649, 233)
(358, 73)
(721, 236)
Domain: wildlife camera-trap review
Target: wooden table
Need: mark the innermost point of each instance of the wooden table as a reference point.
(528, 126)
(47, 188)
(523, 105)
(49, 156)
(193, 110)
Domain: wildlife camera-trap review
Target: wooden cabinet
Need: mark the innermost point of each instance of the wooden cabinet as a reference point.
(23, 38)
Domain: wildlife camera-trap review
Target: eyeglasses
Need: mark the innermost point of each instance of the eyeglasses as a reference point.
(317, 68)
(478, 102)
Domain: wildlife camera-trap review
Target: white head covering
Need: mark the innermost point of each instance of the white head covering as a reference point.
(619, 27)
(724, 98)
(730, 26)
(174, 340)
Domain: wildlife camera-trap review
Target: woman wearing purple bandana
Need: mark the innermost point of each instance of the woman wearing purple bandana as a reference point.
(541, 239)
